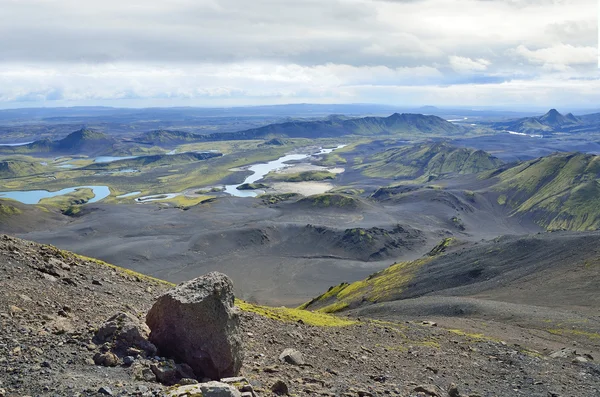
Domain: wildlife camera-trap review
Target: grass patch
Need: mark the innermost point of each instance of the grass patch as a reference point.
(301, 176)
(294, 315)
(575, 332)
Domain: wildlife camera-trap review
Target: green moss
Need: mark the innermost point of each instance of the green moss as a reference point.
(294, 315)
(575, 332)
(381, 286)
(9, 210)
(301, 176)
(329, 200)
(442, 246)
(252, 186)
(502, 199)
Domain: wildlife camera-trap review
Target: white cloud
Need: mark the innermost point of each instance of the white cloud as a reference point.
(560, 54)
(464, 64)
(279, 50)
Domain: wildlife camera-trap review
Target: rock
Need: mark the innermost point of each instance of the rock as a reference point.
(280, 388)
(197, 323)
(141, 372)
(105, 390)
(187, 381)
(580, 359)
(291, 356)
(209, 389)
(128, 360)
(125, 331)
(430, 323)
(166, 372)
(107, 359)
(2, 393)
(562, 353)
(453, 391)
(429, 390)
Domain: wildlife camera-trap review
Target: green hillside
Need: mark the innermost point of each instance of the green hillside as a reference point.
(560, 191)
(427, 159)
(168, 137)
(83, 141)
(12, 168)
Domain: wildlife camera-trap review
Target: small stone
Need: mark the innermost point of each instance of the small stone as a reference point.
(453, 391)
(280, 388)
(166, 372)
(429, 390)
(107, 359)
(128, 360)
(96, 282)
(430, 323)
(187, 381)
(291, 356)
(580, 359)
(105, 390)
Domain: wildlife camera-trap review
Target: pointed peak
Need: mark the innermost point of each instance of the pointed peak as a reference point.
(553, 112)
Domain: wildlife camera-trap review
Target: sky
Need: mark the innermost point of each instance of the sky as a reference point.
(503, 53)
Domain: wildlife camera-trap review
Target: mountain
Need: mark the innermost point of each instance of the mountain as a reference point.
(553, 121)
(12, 168)
(168, 137)
(331, 127)
(561, 191)
(427, 159)
(83, 141)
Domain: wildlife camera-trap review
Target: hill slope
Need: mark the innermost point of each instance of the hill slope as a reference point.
(83, 141)
(47, 342)
(12, 168)
(557, 191)
(428, 159)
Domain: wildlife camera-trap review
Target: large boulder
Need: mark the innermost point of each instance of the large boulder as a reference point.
(198, 324)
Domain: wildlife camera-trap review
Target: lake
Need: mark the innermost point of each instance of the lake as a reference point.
(34, 196)
(260, 170)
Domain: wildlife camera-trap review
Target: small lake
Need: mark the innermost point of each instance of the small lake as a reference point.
(129, 195)
(16, 144)
(34, 196)
(157, 197)
(260, 170)
(110, 159)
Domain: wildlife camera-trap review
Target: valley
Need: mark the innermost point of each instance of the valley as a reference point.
(396, 218)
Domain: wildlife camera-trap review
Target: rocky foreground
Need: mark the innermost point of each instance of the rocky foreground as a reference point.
(73, 326)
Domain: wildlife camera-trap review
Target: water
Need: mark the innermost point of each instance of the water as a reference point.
(34, 196)
(16, 144)
(128, 195)
(260, 170)
(110, 159)
(156, 197)
(66, 166)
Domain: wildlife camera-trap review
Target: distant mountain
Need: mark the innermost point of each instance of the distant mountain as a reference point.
(331, 127)
(427, 159)
(83, 141)
(561, 191)
(553, 121)
(168, 137)
(396, 124)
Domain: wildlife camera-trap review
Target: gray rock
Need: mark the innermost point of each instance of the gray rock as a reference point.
(105, 390)
(125, 331)
(291, 356)
(453, 391)
(166, 372)
(280, 388)
(429, 390)
(197, 323)
(128, 360)
(209, 389)
(106, 359)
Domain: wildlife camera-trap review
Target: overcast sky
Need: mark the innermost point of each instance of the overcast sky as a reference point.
(507, 53)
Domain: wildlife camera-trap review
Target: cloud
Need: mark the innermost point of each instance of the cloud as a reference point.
(321, 50)
(560, 54)
(464, 64)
